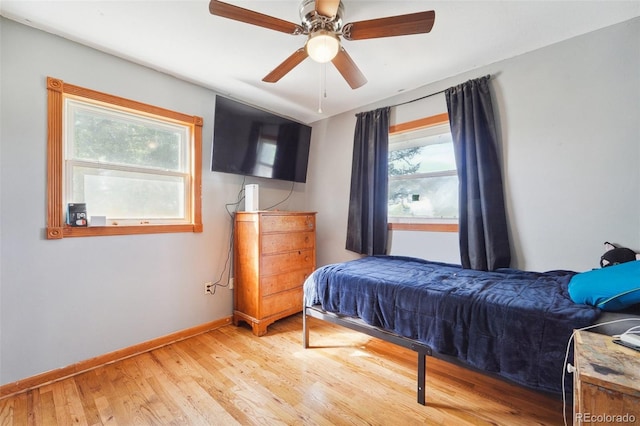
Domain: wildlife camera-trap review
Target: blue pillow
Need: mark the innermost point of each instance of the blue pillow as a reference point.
(613, 288)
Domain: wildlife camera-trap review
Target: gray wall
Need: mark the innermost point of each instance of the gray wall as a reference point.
(64, 301)
(569, 122)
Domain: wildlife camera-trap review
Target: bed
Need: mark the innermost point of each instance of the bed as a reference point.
(511, 323)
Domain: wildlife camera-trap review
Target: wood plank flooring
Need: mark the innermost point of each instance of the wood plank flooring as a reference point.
(230, 377)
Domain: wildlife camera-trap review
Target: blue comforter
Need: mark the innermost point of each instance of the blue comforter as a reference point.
(513, 323)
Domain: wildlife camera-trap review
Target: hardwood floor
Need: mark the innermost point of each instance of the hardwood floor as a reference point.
(228, 376)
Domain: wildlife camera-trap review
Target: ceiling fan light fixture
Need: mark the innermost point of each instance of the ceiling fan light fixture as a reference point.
(322, 46)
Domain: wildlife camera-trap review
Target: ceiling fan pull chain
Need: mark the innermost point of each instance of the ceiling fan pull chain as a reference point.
(322, 86)
(324, 79)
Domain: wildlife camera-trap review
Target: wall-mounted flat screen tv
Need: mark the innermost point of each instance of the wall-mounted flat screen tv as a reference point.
(252, 142)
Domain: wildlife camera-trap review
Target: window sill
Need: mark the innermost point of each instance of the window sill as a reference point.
(426, 227)
(98, 231)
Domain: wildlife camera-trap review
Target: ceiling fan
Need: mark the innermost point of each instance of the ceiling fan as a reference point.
(321, 22)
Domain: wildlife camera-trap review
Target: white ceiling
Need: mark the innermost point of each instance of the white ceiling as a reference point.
(183, 39)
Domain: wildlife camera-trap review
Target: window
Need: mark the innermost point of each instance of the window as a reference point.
(136, 164)
(423, 181)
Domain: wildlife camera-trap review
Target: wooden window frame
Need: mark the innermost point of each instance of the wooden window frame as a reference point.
(434, 120)
(56, 224)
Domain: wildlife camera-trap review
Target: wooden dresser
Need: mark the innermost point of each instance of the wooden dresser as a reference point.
(606, 381)
(274, 252)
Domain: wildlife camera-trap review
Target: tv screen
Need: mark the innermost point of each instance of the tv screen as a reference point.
(252, 142)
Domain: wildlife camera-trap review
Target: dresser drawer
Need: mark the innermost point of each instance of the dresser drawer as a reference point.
(275, 243)
(280, 302)
(284, 262)
(280, 282)
(287, 223)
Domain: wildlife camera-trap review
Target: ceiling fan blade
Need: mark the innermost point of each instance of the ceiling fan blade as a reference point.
(328, 8)
(247, 16)
(290, 63)
(348, 69)
(413, 23)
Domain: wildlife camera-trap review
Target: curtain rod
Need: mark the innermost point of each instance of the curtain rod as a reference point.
(427, 96)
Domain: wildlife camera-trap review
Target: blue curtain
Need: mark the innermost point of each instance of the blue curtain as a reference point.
(367, 221)
(484, 241)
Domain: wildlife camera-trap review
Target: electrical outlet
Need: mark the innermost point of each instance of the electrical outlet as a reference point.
(231, 282)
(208, 288)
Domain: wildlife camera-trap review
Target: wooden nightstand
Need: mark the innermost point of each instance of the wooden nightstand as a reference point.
(606, 384)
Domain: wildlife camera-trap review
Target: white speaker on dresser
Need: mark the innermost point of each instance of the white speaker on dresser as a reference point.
(251, 198)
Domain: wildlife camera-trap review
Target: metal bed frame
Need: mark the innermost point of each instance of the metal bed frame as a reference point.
(422, 349)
